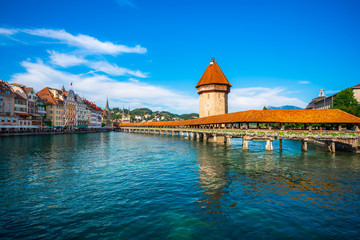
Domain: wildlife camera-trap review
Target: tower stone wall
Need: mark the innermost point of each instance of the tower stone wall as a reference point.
(213, 89)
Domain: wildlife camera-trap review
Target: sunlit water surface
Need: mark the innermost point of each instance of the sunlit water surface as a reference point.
(137, 186)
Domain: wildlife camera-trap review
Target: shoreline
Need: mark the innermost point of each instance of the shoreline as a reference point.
(15, 134)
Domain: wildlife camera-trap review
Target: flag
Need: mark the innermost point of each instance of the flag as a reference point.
(71, 84)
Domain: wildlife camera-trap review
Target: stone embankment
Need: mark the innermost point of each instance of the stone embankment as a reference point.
(53, 132)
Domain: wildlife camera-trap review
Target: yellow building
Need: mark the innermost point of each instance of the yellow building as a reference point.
(54, 101)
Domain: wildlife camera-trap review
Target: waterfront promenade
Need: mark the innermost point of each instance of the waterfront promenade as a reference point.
(54, 131)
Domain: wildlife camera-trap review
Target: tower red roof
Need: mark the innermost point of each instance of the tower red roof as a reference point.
(213, 75)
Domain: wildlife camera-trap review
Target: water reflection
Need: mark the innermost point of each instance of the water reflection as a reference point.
(214, 178)
(311, 179)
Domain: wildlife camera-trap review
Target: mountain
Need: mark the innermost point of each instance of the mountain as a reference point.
(286, 107)
(116, 114)
(141, 111)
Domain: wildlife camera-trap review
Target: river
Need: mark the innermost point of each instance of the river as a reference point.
(139, 186)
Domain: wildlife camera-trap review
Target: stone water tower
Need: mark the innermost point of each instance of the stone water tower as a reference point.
(213, 89)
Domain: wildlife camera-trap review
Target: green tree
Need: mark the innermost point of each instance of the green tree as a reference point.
(346, 101)
(264, 108)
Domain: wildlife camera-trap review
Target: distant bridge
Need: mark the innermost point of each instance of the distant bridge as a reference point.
(264, 125)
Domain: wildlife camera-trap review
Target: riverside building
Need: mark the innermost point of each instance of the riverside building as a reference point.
(323, 102)
(8, 119)
(54, 106)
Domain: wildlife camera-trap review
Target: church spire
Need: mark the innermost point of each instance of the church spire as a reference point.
(107, 104)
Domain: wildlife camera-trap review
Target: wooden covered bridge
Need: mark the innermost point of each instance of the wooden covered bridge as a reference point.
(333, 127)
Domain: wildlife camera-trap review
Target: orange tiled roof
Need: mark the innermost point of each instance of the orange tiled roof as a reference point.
(46, 95)
(213, 75)
(27, 89)
(265, 116)
(92, 105)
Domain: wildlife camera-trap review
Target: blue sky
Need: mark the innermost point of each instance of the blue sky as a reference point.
(152, 53)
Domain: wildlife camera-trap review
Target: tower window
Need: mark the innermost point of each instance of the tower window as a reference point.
(208, 95)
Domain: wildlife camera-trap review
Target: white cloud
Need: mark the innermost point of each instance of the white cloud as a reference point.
(256, 98)
(114, 70)
(332, 91)
(7, 31)
(84, 42)
(98, 87)
(68, 60)
(133, 80)
(65, 60)
(303, 82)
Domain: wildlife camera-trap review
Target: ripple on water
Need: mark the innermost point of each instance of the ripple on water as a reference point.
(137, 186)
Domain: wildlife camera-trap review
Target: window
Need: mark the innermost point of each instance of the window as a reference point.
(8, 99)
(208, 95)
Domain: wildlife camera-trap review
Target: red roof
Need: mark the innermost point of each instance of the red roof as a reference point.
(46, 95)
(213, 75)
(264, 116)
(92, 105)
(27, 89)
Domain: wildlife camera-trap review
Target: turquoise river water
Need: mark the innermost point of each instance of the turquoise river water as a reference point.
(140, 186)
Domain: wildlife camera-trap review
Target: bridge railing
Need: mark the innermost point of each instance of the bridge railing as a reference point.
(260, 133)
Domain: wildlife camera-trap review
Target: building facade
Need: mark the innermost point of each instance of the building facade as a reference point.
(33, 111)
(54, 102)
(7, 102)
(323, 102)
(82, 118)
(95, 114)
(213, 89)
(70, 108)
(21, 109)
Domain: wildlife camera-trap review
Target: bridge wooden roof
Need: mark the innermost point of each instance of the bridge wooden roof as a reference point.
(314, 116)
(213, 75)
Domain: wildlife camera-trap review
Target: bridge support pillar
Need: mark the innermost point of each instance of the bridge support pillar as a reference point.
(227, 141)
(269, 146)
(330, 146)
(205, 137)
(245, 145)
(199, 136)
(304, 145)
(280, 145)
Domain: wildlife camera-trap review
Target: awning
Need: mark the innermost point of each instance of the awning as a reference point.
(22, 114)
